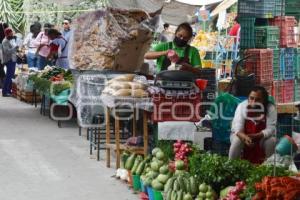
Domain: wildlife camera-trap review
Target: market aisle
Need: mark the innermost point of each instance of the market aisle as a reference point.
(40, 161)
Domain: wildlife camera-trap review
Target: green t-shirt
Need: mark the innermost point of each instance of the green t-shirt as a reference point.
(194, 56)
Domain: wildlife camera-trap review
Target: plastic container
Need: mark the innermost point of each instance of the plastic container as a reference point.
(260, 8)
(157, 195)
(247, 32)
(143, 187)
(136, 182)
(260, 63)
(286, 146)
(297, 90)
(287, 69)
(267, 37)
(150, 193)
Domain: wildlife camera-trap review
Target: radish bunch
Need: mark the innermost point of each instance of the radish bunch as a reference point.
(181, 150)
(234, 193)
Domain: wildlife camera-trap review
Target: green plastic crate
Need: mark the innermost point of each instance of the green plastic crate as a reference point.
(297, 90)
(276, 64)
(247, 32)
(267, 37)
(292, 6)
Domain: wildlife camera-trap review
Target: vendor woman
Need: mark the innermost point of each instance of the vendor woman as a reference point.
(253, 128)
(189, 57)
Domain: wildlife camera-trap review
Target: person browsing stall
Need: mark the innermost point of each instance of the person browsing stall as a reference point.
(58, 49)
(42, 42)
(253, 127)
(189, 57)
(9, 48)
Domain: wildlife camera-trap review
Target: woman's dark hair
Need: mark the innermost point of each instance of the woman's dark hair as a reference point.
(35, 30)
(48, 25)
(166, 25)
(186, 26)
(265, 96)
(53, 32)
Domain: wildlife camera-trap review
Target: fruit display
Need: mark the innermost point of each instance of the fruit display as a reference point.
(206, 192)
(206, 41)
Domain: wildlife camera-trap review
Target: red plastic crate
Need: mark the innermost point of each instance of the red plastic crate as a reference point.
(277, 91)
(268, 86)
(283, 91)
(288, 91)
(176, 108)
(260, 63)
(286, 25)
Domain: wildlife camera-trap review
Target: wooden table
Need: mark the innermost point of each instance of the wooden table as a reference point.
(118, 147)
(288, 108)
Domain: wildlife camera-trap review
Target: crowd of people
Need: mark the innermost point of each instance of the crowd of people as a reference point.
(42, 46)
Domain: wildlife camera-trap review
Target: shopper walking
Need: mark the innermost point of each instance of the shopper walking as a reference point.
(58, 49)
(9, 48)
(42, 42)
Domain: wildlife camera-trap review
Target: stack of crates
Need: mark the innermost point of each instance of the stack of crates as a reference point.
(260, 63)
(287, 34)
(267, 37)
(247, 32)
(297, 74)
(260, 8)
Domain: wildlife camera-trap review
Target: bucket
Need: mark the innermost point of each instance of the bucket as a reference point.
(286, 146)
(150, 193)
(157, 195)
(143, 187)
(136, 183)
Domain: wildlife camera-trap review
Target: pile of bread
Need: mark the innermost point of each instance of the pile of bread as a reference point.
(125, 86)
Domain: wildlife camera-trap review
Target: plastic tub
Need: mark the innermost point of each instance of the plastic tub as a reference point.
(150, 193)
(157, 195)
(136, 182)
(143, 187)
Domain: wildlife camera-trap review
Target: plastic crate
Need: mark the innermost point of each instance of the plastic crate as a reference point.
(287, 68)
(288, 91)
(297, 90)
(284, 125)
(292, 6)
(276, 64)
(267, 85)
(176, 108)
(247, 32)
(286, 25)
(260, 8)
(267, 37)
(278, 91)
(297, 63)
(260, 63)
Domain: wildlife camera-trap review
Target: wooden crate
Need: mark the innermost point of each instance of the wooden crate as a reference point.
(28, 97)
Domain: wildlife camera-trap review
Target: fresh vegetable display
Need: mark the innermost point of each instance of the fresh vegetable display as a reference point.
(206, 192)
(234, 193)
(277, 188)
(181, 150)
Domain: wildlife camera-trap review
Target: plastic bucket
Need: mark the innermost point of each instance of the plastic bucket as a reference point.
(286, 146)
(150, 193)
(136, 182)
(157, 195)
(143, 187)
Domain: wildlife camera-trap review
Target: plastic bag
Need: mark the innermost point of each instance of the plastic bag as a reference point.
(222, 112)
(110, 39)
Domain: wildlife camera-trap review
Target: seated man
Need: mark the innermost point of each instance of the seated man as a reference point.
(253, 127)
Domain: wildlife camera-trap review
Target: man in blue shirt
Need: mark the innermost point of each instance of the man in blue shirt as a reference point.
(66, 32)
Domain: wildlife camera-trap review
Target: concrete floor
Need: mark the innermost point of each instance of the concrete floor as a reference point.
(39, 161)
